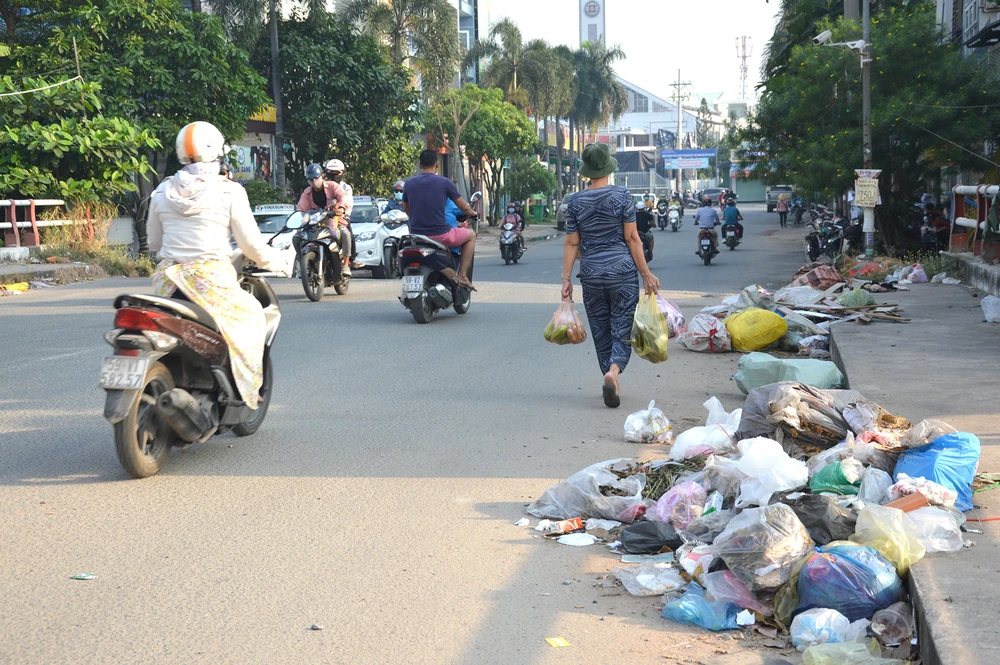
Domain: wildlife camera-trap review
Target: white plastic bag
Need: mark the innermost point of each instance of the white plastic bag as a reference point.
(937, 495)
(705, 333)
(650, 579)
(937, 529)
(796, 295)
(769, 469)
(918, 275)
(875, 484)
(580, 495)
(924, 432)
(936, 279)
(648, 426)
(715, 437)
(991, 309)
(819, 626)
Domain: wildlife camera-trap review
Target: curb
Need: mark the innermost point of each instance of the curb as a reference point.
(557, 234)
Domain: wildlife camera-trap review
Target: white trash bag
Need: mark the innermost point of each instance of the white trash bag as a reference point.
(648, 426)
(991, 308)
(580, 495)
(650, 579)
(714, 438)
(769, 469)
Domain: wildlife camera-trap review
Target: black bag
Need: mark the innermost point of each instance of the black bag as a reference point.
(647, 537)
(823, 518)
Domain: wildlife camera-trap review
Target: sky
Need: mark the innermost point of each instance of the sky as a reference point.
(660, 36)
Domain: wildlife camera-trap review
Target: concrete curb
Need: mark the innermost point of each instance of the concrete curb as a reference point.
(975, 272)
(41, 271)
(557, 234)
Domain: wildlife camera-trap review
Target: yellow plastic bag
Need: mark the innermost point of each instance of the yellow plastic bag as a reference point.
(891, 532)
(754, 329)
(566, 326)
(650, 331)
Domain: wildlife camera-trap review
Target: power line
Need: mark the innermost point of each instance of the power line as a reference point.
(974, 154)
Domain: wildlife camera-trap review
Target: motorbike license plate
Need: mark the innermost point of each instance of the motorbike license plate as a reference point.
(413, 283)
(122, 373)
(731, 234)
(706, 243)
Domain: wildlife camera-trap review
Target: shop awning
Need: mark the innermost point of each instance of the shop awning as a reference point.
(986, 37)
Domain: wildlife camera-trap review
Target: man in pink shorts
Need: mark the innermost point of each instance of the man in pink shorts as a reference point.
(424, 199)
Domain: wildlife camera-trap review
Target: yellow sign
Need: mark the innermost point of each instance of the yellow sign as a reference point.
(267, 114)
(866, 193)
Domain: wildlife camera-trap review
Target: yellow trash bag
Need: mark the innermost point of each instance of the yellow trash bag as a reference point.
(650, 331)
(754, 329)
(891, 532)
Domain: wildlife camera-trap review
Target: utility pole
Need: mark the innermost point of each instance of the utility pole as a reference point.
(866, 112)
(851, 10)
(279, 121)
(678, 87)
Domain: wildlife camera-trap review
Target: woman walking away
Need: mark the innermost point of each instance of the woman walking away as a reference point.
(600, 227)
(782, 207)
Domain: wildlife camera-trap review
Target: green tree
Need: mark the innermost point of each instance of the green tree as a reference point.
(540, 69)
(807, 127)
(445, 121)
(526, 178)
(599, 96)
(420, 33)
(362, 110)
(503, 49)
(564, 96)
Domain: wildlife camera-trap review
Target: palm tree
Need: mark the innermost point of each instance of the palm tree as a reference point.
(421, 33)
(599, 95)
(504, 48)
(538, 80)
(563, 102)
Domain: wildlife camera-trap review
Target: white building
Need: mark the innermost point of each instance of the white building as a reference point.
(591, 21)
(647, 117)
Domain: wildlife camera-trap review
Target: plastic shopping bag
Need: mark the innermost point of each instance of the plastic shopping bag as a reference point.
(823, 626)
(939, 530)
(695, 609)
(648, 426)
(566, 326)
(670, 311)
(842, 477)
(949, 460)
(754, 329)
(761, 544)
(680, 505)
(768, 469)
(705, 333)
(991, 309)
(715, 437)
(891, 532)
(649, 331)
(724, 587)
(582, 495)
(649, 579)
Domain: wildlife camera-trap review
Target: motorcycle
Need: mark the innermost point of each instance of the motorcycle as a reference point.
(675, 218)
(705, 246)
(797, 212)
(510, 243)
(731, 238)
(430, 276)
(320, 263)
(170, 381)
(647, 245)
(396, 223)
(825, 238)
(661, 215)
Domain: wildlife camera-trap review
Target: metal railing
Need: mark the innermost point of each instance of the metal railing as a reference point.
(12, 235)
(972, 240)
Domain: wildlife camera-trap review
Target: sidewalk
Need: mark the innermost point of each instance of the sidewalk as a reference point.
(941, 365)
(12, 272)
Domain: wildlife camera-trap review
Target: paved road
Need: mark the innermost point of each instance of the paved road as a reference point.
(378, 498)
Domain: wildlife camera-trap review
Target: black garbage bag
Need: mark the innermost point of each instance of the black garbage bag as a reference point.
(647, 537)
(823, 518)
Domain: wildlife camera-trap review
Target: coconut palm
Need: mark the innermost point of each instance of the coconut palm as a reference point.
(538, 80)
(504, 50)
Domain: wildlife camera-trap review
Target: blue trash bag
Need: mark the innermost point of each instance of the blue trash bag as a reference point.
(948, 460)
(693, 608)
(855, 580)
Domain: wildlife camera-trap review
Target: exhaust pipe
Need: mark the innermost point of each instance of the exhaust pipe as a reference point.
(441, 296)
(185, 416)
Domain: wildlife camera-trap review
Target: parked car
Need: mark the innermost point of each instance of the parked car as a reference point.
(713, 193)
(775, 191)
(371, 229)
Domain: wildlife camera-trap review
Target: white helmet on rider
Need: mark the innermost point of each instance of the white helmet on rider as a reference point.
(336, 166)
(200, 141)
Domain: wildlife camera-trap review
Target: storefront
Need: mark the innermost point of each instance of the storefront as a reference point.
(253, 158)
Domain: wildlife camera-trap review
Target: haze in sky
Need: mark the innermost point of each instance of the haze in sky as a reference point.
(658, 36)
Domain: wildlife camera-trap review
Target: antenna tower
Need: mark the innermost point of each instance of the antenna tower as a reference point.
(743, 52)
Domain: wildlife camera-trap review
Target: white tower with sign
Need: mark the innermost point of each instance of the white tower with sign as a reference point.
(591, 20)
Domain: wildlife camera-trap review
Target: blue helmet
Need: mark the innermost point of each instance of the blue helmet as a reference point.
(313, 171)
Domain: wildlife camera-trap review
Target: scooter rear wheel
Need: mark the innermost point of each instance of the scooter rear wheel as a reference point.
(257, 419)
(142, 440)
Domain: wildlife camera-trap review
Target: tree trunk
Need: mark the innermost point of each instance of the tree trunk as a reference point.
(195, 6)
(279, 120)
(545, 138)
(572, 154)
(559, 159)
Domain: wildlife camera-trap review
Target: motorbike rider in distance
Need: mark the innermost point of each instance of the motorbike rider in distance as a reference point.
(732, 217)
(328, 195)
(643, 224)
(424, 198)
(707, 219)
(513, 218)
(396, 202)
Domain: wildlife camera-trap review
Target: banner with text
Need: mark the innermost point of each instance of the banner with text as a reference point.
(686, 159)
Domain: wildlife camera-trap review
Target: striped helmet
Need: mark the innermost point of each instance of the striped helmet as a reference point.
(200, 142)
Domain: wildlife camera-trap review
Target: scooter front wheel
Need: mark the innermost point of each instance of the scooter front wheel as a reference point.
(312, 280)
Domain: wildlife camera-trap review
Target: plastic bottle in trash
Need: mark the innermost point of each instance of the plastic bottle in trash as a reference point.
(894, 624)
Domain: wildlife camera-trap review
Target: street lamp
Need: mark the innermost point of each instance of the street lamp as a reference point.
(862, 47)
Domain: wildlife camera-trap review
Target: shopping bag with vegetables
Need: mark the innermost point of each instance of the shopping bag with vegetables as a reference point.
(566, 326)
(650, 331)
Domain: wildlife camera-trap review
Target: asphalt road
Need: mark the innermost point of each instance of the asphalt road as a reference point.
(377, 500)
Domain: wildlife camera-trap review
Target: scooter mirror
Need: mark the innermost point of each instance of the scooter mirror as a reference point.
(295, 221)
(476, 196)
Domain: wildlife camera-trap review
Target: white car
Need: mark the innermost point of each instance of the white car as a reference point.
(271, 220)
(372, 230)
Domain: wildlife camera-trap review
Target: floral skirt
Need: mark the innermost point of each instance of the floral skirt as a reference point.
(214, 286)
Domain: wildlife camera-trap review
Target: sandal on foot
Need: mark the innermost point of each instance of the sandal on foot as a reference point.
(611, 397)
(466, 283)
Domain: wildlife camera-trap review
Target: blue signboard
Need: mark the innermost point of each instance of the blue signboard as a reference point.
(673, 155)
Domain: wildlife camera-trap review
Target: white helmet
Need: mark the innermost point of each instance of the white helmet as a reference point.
(200, 142)
(335, 165)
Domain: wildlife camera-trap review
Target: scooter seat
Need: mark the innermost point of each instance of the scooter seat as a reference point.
(415, 239)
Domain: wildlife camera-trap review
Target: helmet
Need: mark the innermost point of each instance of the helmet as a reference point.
(313, 171)
(336, 165)
(638, 206)
(647, 196)
(730, 201)
(398, 186)
(200, 142)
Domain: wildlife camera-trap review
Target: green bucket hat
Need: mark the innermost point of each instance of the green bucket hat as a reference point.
(597, 161)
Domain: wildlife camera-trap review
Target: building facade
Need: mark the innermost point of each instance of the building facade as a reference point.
(592, 21)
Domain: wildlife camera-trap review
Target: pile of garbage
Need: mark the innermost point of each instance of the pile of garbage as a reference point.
(802, 512)
(17, 288)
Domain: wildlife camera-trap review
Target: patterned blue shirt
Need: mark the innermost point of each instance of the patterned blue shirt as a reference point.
(598, 215)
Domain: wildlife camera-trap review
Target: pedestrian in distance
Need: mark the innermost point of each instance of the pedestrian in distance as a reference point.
(601, 228)
(782, 207)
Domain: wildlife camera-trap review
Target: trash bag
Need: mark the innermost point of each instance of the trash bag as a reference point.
(716, 436)
(936, 495)
(856, 298)
(949, 460)
(648, 426)
(823, 518)
(809, 418)
(814, 342)
(681, 504)
(918, 275)
(705, 333)
(752, 296)
(822, 276)
(724, 587)
(891, 532)
(822, 626)
(867, 416)
(695, 559)
(875, 483)
(756, 408)
(754, 329)
(924, 432)
(583, 495)
(649, 331)
(838, 478)
(991, 309)
(848, 653)
(649, 579)
(760, 544)
(707, 528)
(693, 608)
(566, 326)
(768, 469)
(761, 369)
(854, 580)
(673, 315)
(722, 475)
(649, 537)
(796, 295)
(937, 529)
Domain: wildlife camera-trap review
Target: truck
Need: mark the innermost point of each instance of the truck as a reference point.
(774, 191)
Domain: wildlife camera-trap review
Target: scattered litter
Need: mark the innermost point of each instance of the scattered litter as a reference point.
(315, 626)
(951, 281)
(857, 297)
(824, 626)
(563, 526)
(557, 642)
(991, 309)
(607, 525)
(893, 624)
(84, 576)
(745, 618)
(663, 557)
(646, 537)
(938, 529)
(694, 608)
(577, 539)
(524, 521)
(847, 653)
(936, 495)
(648, 426)
(649, 579)
(584, 495)
(41, 285)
